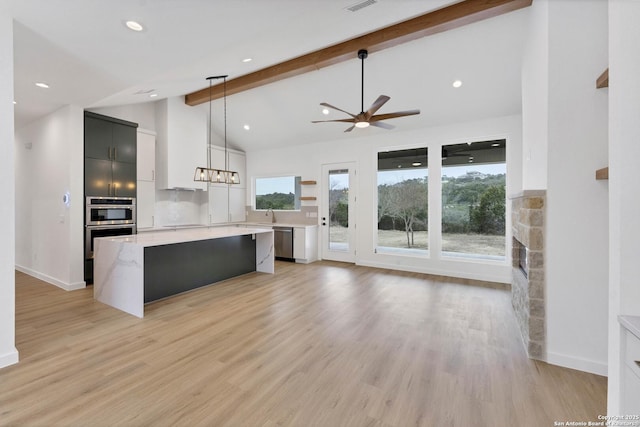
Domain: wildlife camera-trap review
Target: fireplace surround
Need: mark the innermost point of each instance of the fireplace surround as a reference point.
(528, 272)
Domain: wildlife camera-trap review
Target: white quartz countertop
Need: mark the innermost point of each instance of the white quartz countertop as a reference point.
(181, 235)
(631, 323)
(231, 224)
(278, 224)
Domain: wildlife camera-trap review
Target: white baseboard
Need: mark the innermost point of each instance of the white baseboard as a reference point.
(51, 280)
(498, 278)
(578, 363)
(10, 358)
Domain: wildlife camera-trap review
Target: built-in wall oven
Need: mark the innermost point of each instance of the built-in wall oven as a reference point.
(106, 217)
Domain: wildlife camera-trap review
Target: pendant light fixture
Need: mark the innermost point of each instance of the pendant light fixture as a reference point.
(207, 174)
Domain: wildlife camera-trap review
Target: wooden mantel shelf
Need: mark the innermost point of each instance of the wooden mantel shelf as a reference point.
(602, 173)
(603, 80)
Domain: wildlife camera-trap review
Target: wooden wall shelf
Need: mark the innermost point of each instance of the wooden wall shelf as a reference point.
(603, 80)
(308, 183)
(602, 173)
(308, 198)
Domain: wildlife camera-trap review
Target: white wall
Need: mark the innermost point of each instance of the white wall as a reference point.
(624, 178)
(49, 163)
(535, 98)
(576, 234)
(144, 114)
(306, 161)
(8, 352)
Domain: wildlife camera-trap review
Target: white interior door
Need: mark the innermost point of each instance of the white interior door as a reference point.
(338, 212)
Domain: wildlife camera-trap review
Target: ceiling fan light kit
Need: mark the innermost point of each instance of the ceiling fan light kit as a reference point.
(367, 118)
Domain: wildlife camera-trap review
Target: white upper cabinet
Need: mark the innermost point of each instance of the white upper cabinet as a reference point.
(236, 162)
(181, 143)
(146, 155)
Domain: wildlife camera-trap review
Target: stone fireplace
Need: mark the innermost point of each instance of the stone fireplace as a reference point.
(528, 277)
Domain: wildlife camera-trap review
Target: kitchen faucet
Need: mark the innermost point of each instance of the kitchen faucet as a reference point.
(273, 215)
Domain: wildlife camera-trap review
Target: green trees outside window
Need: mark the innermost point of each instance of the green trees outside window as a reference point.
(473, 200)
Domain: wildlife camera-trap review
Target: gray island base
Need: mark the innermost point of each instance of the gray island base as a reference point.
(130, 271)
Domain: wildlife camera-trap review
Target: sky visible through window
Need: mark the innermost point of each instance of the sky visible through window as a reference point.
(281, 184)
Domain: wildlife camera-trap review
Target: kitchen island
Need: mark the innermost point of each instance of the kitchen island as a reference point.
(130, 271)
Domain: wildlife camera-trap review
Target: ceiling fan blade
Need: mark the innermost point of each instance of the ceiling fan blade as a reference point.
(349, 129)
(337, 120)
(324, 104)
(382, 125)
(376, 105)
(393, 115)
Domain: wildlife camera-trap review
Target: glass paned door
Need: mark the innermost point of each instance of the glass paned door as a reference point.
(338, 213)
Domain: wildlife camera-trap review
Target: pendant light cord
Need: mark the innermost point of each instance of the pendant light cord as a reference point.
(226, 166)
(209, 130)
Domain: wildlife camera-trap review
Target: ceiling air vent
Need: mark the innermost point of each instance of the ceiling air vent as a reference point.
(361, 5)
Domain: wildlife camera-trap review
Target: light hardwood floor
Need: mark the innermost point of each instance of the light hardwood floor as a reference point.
(325, 344)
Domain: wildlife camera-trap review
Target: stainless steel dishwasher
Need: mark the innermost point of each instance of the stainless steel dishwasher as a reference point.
(283, 242)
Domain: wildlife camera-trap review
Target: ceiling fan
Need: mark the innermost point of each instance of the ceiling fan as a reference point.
(366, 118)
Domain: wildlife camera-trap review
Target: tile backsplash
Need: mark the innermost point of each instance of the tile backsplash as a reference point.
(307, 215)
(180, 207)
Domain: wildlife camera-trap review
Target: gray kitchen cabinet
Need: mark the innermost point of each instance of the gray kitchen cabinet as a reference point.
(110, 156)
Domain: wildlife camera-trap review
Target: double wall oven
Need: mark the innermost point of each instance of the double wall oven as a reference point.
(106, 217)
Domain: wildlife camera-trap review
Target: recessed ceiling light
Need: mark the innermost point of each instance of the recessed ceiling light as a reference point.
(457, 83)
(246, 127)
(153, 95)
(133, 25)
(247, 60)
(325, 111)
(495, 144)
(42, 85)
(416, 164)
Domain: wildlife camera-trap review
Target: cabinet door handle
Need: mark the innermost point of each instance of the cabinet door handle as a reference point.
(153, 220)
(109, 153)
(153, 175)
(108, 189)
(115, 153)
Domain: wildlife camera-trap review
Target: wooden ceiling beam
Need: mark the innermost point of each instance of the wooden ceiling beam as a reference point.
(448, 18)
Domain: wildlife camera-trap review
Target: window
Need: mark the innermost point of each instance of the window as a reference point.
(473, 199)
(403, 201)
(279, 193)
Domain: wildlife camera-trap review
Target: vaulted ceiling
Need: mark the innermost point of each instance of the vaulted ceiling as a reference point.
(82, 49)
